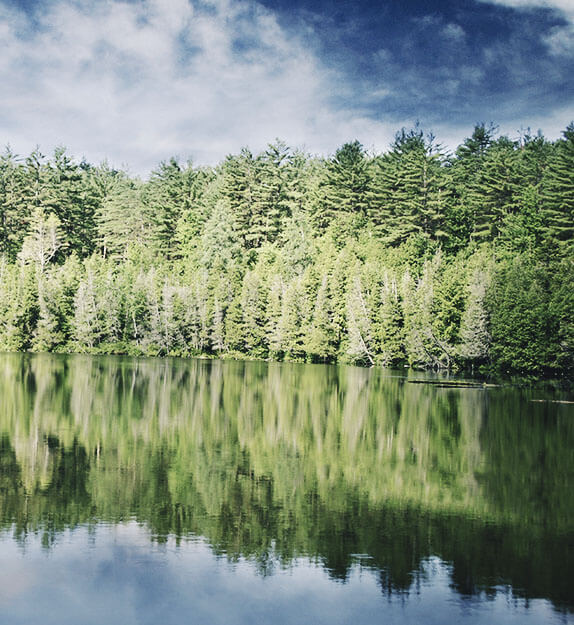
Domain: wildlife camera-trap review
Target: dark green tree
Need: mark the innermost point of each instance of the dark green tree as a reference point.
(558, 190)
(408, 193)
(70, 196)
(343, 190)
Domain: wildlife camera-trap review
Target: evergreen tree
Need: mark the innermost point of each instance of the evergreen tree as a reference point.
(474, 331)
(495, 190)
(270, 194)
(253, 308)
(14, 209)
(463, 172)
(321, 344)
(220, 245)
(388, 329)
(344, 188)
(560, 309)
(423, 344)
(289, 339)
(558, 190)
(239, 181)
(408, 192)
(18, 305)
(86, 326)
(375, 261)
(166, 197)
(122, 218)
(523, 329)
(70, 197)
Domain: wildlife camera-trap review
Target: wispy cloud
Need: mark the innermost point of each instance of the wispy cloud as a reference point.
(560, 39)
(139, 82)
(560, 5)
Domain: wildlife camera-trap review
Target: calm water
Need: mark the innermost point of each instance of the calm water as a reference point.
(169, 491)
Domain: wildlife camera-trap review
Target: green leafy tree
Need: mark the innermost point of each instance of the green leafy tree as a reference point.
(43, 241)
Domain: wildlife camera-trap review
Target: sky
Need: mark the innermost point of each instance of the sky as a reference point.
(139, 81)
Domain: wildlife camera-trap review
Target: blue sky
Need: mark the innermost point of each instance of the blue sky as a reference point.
(139, 81)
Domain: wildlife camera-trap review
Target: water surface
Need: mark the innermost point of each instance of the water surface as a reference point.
(182, 491)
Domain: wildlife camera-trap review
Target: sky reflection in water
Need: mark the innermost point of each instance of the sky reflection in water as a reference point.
(167, 491)
(111, 575)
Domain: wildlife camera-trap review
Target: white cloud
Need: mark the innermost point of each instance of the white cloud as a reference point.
(560, 41)
(139, 82)
(454, 32)
(566, 6)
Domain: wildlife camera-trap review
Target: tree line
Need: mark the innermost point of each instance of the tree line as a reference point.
(414, 256)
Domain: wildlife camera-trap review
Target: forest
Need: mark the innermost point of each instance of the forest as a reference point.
(413, 257)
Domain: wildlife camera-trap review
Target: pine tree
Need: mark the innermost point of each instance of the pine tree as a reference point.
(462, 173)
(388, 332)
(14, 209)
(274, 306)
(166, 197)
(220, 244)
(239, 181)
(202, 192)
(18, 305)
(320, 343)
(408, 194)
(525, 333)
(474, 332)
(86, 325)
(343, 190)
(558, 190)
(560, 308)
(254, 306)
(494, 192)
(122, 218)
(69, 195)
(270, 194)
(290, 332)
(423, 344)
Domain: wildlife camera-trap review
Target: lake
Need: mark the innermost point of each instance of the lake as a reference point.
(146, 491)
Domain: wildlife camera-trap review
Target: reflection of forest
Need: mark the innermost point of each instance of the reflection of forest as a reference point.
(290, 460)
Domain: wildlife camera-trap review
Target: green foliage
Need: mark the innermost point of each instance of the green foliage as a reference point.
(408, 193)
(344, 187)
(408, 257)
(524, 329)
(558, 190)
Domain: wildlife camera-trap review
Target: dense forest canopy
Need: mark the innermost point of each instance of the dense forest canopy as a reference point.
(414, 256)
